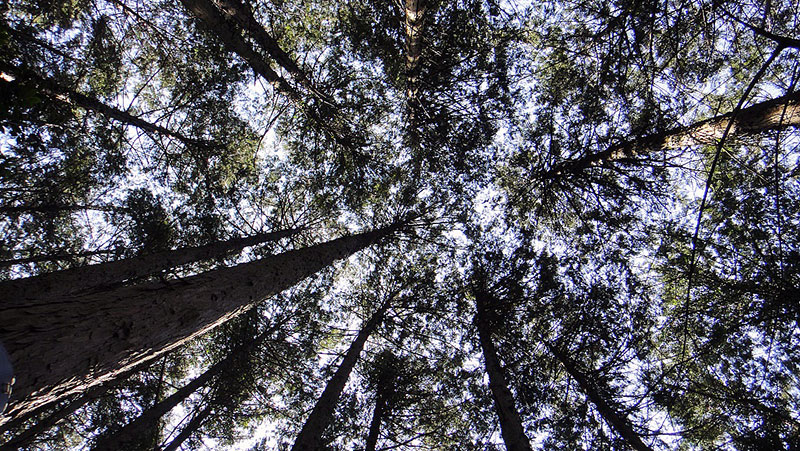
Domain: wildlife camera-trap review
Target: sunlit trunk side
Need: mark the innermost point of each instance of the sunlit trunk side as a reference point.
(194, 424)
(73, 343)
(53, 89)
(510, 422)
(207, 12)
(414, 15)
(150, 417)
(774, 114)
(41, 288)
(615, 420)
(320, 417)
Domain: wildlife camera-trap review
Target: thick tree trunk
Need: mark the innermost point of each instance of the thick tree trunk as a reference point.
(189, 429)
(133, 430)
(414, 15)
(510, 422)
(616, 420)
(53, 89)
(319, 418)
(24, 438)
(773, 114)
(72, 343)
(41, 289)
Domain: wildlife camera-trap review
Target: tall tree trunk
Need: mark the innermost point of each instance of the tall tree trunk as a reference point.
(42, 425)
(41, 289)
(414, 15)
(510, 422)
(207, 12)
(53, 89)
(72, 343)
(772, 114)
(319, 418)
(194, 424)
(377, 418)
(58, 257)
(133, 430)
(616, 420)
(243, 16)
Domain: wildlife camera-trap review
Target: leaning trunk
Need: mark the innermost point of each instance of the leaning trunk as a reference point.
(773, 114)
(377, 418)
(72, 343)
(510, 422)
(40, 289)
(189, 429)
(616, 420)
(150, 417)
(310, 436)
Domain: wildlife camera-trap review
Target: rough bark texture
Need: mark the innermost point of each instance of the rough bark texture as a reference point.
(40, 289)
(320, 416)
(773, 114)
(53, 89)
(73, 343)
(414, 14)
(510, 422)
(133, 430)
(617, 421)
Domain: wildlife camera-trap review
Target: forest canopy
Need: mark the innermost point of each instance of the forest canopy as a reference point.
(419, 224)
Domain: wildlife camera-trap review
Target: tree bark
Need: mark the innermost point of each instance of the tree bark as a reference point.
(186, 432)
(149, 417)
(319, 418)
(414, 15)
(772, 114)
(72, 343)
(510, 422)
(616, 420)
(41, 288)
(53, 89)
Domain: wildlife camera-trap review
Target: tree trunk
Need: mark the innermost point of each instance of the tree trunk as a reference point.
(311, 433)
(72, 343)
(213, 18)
(414, 14)
(56, 208)
(58, 257)
(133, 430)
(53, 89)
(510, 422)
(617, 421)
(772, 114)
(22, 439)
(377, 418)
(40, 289)
(242, 14)
(189, 429)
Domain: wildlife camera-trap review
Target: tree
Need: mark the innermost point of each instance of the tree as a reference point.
(226, 293)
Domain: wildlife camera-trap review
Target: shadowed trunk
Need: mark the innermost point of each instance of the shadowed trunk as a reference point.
(72, 343)
(59, 257)
(773, 114)
(40, 289)
(320, 416)
(227, 32)
(510, 422)
(616, 420)
(189, 429)
(377, 418)
(133, 430)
